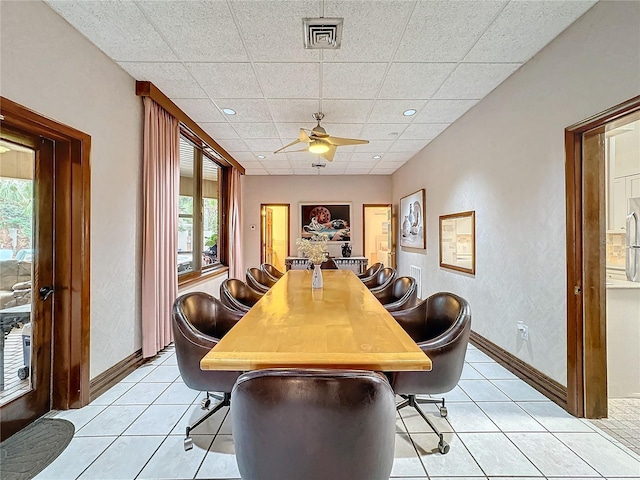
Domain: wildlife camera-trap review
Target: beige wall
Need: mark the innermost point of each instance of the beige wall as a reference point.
(52, 69)
(282, 189)
(505, 160)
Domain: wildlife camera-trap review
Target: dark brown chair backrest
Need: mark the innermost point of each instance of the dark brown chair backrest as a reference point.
(446, 325)
(272, 271)
(199, 321)
(237, 295)
(370, 272)
(313, 425)
(400, 294)
(258, 280)
(413, 321)
(383, 278)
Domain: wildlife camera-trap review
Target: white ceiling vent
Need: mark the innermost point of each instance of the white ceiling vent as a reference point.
(322, 32)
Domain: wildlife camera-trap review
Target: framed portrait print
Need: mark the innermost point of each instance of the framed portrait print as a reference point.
(458, 242)
(412, 231)
(333, 219)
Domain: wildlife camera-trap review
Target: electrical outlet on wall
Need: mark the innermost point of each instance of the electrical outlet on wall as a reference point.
(523, 329)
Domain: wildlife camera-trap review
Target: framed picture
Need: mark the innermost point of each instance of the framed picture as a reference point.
(458, 242)
(334, 219)
(412, 232)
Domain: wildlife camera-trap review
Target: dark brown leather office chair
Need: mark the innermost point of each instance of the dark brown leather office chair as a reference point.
(440, 326)
(401, 294)
(272, 271)
(237, 295)
(370, 272)
(313, 425)
(258, 280)
(199, 321)
(381, 279)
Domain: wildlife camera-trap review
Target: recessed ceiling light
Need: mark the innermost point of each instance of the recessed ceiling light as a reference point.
(377, 157)
(261, 156)
(229, 111)
(410, 112)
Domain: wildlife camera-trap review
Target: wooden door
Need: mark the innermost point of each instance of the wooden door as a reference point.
(268, 236)
(61, 258)
(27, 397)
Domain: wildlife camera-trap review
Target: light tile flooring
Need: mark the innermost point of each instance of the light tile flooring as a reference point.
(624, 421)
(500, 428)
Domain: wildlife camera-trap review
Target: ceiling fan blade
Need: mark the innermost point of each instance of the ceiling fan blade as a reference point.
(304, 137)
(328, 155)
(287, 146)
(306, 149)
(345, 141)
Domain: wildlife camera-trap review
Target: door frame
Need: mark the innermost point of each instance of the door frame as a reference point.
(586, 297)
(392, 252)
(71, 267)
(262, 207)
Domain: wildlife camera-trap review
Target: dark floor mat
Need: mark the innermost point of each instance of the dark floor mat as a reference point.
(28, 452)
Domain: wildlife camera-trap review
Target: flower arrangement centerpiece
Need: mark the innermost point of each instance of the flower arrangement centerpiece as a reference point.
(315, 250)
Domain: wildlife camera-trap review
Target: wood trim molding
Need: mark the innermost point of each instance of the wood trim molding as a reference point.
(148, 89)
(204, 278)
(538, 380)
(113, 375)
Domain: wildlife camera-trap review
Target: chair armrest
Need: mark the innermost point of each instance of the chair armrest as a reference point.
(22, 286)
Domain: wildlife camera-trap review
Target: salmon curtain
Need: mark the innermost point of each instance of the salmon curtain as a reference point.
(235, 226)
(161, 176)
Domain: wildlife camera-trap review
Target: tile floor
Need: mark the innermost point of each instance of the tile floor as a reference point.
(500, 428)
(624, 422)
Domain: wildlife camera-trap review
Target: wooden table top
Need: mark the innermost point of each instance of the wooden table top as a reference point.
(339, 326)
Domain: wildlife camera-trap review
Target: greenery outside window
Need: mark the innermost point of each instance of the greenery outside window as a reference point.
(199, 208)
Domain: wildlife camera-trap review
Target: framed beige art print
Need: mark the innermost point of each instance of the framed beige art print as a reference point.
(458, 242)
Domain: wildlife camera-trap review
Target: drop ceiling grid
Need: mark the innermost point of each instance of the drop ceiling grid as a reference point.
(438, 57)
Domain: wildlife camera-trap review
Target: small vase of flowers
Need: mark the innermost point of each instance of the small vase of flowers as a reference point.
(315, 250)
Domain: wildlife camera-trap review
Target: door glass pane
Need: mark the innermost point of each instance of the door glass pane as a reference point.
(16, 255)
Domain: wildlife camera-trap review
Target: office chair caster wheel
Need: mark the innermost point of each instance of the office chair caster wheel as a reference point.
(188, 444)
(205, 404)
(23, 373)
(443, 412)
(443, 447)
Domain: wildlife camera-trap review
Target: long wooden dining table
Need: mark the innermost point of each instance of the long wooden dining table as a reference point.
(341, 325)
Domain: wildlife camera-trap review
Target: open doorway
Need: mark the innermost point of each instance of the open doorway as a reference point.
(603, 262)
(274, 234)
(377, 235)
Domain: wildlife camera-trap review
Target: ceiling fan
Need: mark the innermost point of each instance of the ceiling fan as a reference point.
(320, 142)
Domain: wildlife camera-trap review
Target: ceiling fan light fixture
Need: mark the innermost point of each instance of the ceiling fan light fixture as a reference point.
(318, 146)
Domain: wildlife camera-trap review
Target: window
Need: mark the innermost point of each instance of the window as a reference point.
(199, 207)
